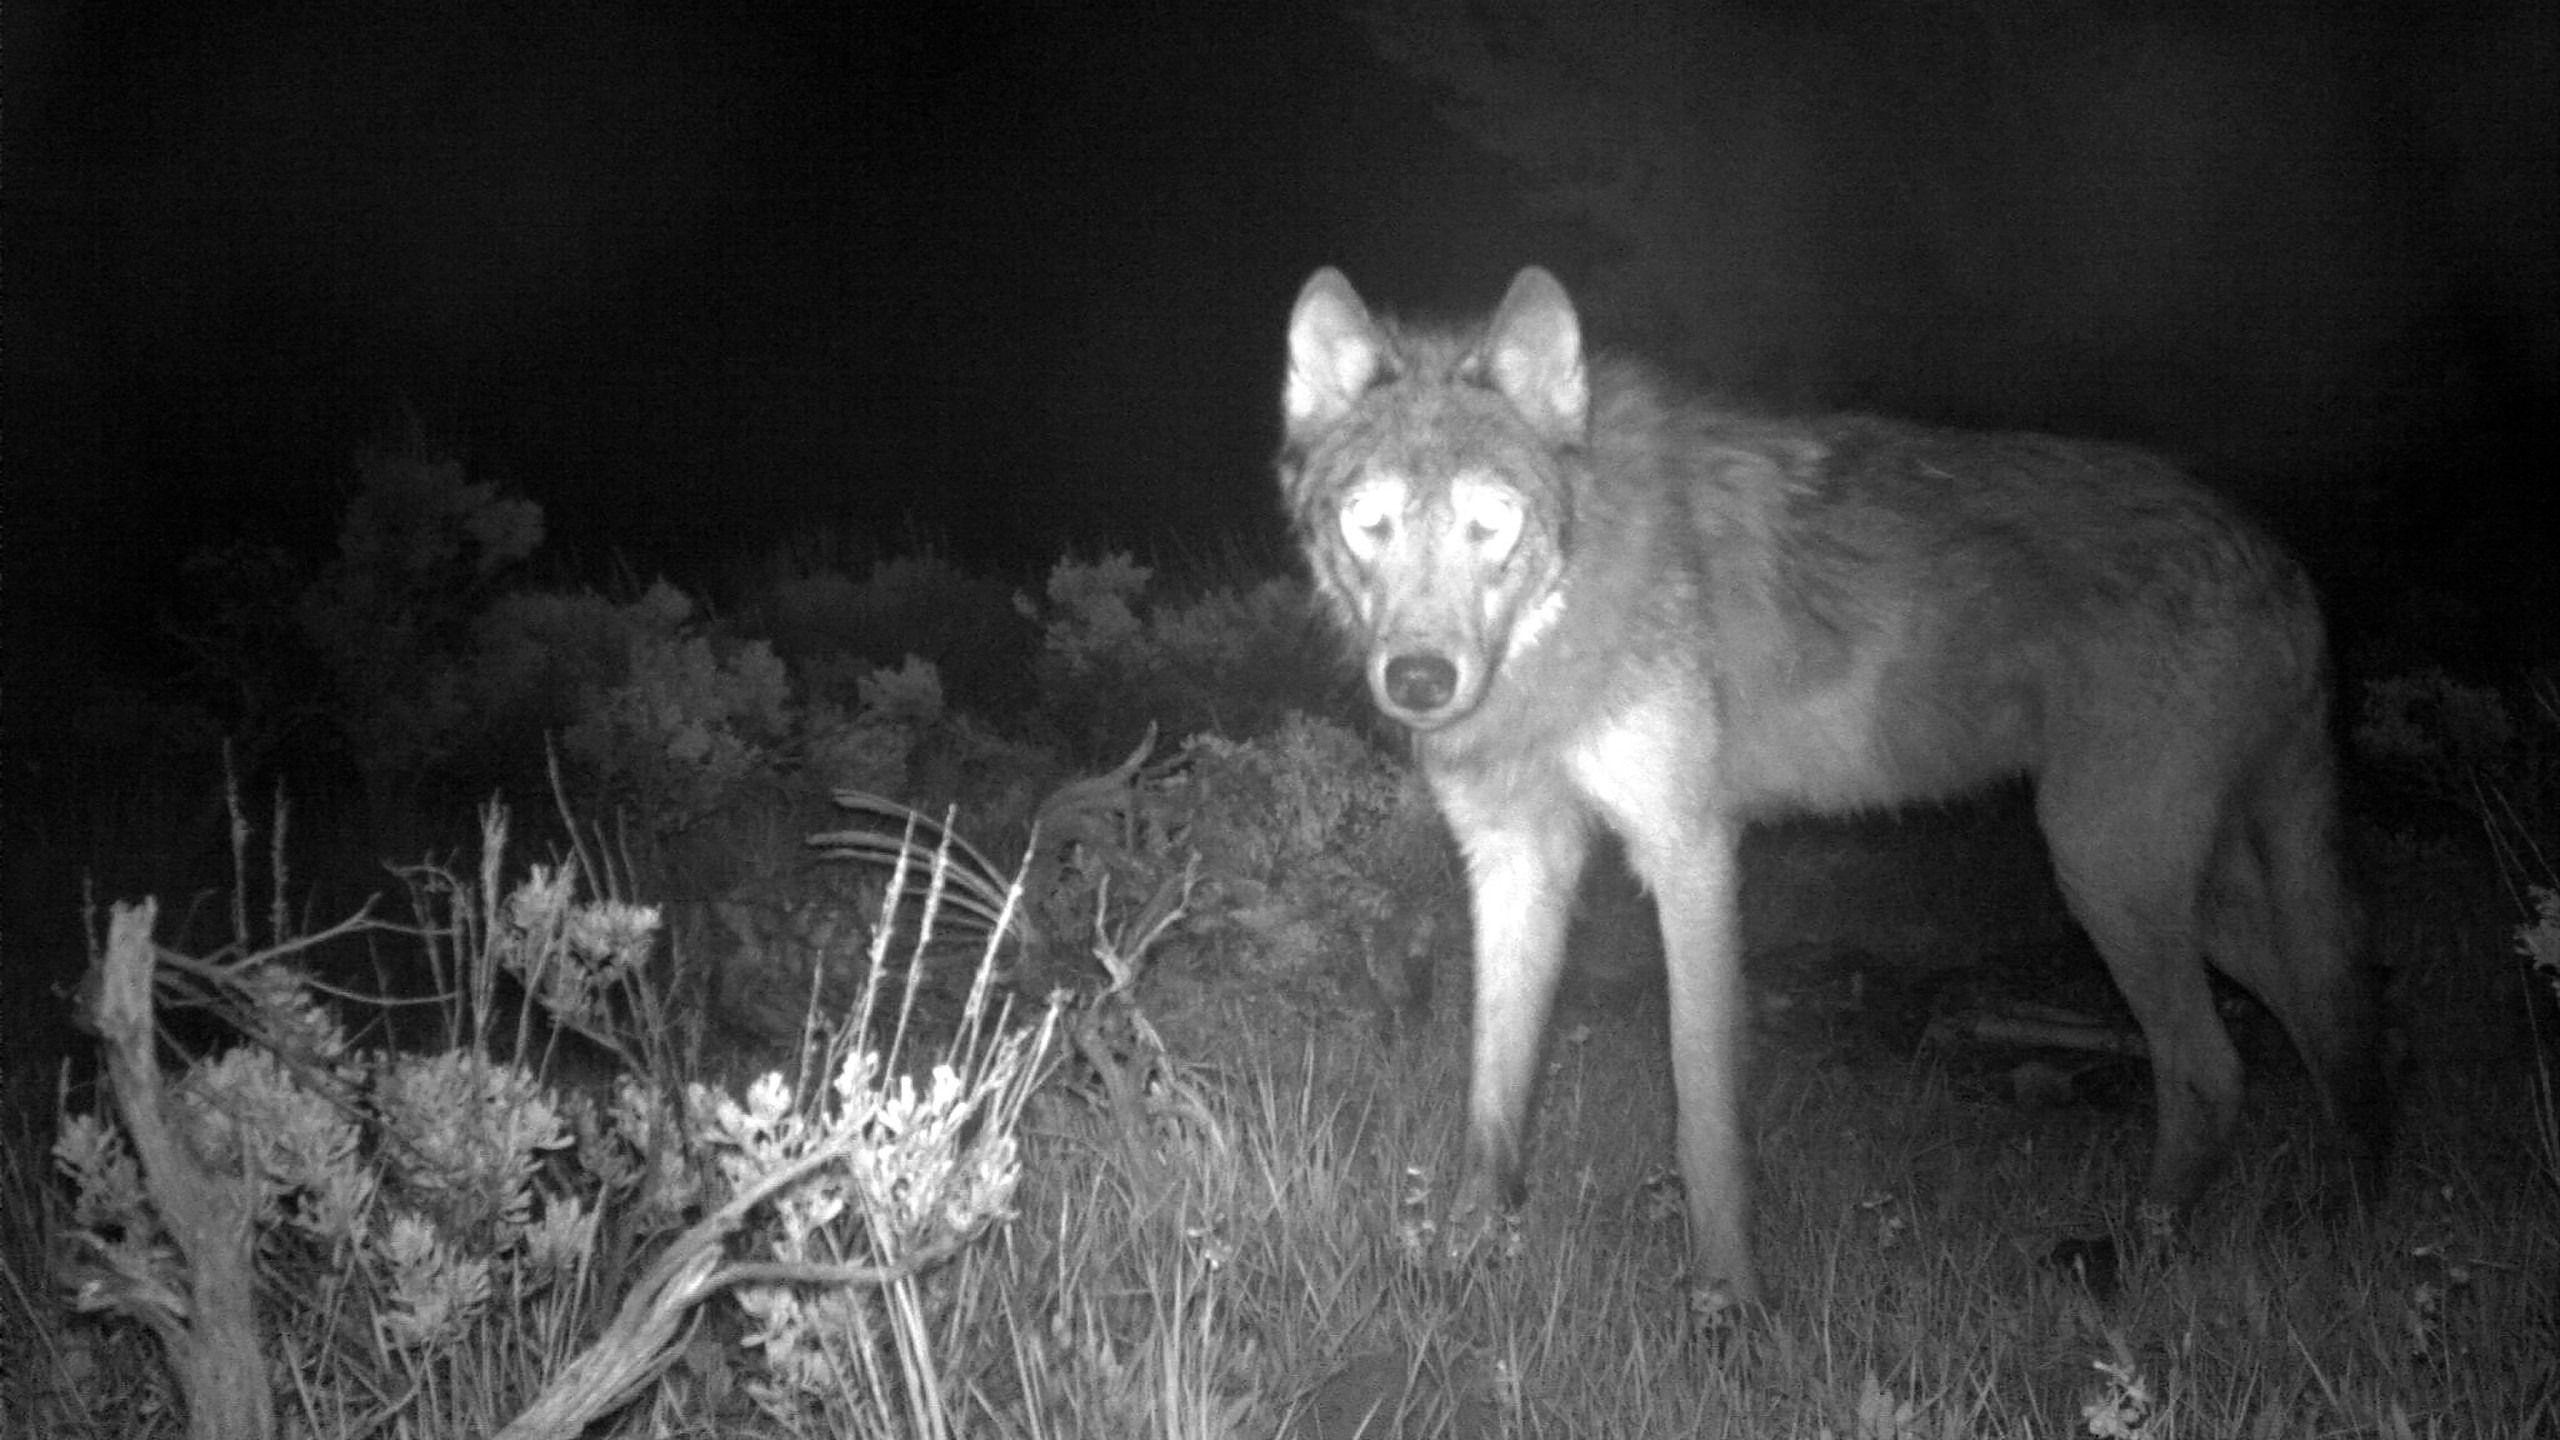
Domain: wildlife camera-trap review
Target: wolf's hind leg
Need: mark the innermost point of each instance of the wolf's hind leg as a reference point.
(2281, 923)
(2132, 869)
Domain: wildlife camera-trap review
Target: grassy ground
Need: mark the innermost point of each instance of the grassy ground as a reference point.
(1256, 1256)
(1906, 1223)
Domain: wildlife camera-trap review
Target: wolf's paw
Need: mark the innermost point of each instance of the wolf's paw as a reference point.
(1481, 1232)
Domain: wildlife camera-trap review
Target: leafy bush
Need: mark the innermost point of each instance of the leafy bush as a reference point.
(420, 552)
(2463, 747)
(1320, 859)
(692, 720)
(366, 663)
(1227, 662)
(834, 627)
(437, 1239)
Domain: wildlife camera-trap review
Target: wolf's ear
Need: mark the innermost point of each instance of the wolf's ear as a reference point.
(1534, 350)
(1334, 353)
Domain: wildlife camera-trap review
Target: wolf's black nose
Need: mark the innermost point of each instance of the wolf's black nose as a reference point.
(1420, 684)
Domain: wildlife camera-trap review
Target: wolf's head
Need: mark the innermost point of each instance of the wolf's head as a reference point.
(1430, 477)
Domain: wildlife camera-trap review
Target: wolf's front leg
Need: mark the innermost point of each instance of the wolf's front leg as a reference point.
(1524, 869)
(1694, 885)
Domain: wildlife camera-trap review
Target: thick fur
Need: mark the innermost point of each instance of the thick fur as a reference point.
(1593, 602)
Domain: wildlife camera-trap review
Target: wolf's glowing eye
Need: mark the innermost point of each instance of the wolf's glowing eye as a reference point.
(1369, 518)
(1492, 519)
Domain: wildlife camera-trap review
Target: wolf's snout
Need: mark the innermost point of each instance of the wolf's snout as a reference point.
(1420, 684)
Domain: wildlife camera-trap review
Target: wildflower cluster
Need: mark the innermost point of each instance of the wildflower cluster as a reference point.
(412, 1178)
(908, 1173)
(573, 955)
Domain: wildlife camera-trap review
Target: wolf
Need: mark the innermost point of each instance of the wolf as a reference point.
(1595, 601)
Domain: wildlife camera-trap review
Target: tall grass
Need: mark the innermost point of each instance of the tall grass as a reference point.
(1255, 1258)
(1210, 1213)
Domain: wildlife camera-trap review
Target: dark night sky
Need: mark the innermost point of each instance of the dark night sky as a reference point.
(700, 276)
